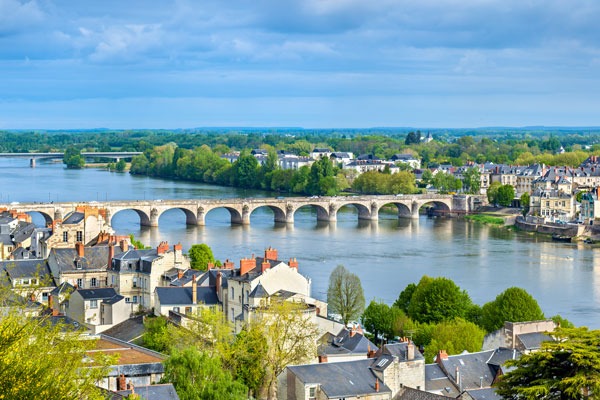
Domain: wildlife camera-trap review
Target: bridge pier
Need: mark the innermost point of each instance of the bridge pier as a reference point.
(153, 222)
(414, 210)
(200, 217)
(32, 162)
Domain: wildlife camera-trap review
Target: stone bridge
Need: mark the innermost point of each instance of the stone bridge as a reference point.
(283, 209)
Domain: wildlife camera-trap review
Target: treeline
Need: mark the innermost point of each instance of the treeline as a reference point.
(438, 315)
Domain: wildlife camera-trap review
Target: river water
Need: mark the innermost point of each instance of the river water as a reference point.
(387, 255)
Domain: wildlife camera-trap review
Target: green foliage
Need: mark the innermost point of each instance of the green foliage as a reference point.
(198, 375)
(568, 368)
(244, 171)
(525, 203)
(562, 322)
(413, 138)
(455, 337)
(247, 357)
(136, 243)
(485, 219)
(39, 360)
(73, 158)
(375, 182)
(505, 195)
(446, 182)
(438, 299)
(514, 305)
(345, 294)
(492, 192)
(156, 334)
(120, 165)
(472, 180)
(200, 255)
(405, 296)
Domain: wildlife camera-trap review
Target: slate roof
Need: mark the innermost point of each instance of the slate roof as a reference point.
(73, 218)
(345, 344)
(114, 299)
(341, 379)
(64, 287)
(471, 367)
(483, 394)
(67, 260)
(259, 292)
(23, 231)
(140, 260)
(437, 381)
(182, 296)
(63, 320)
(165, 391)
(31, 268)
(127, 330)
(407, 393)
(533, 341)
(97, 294)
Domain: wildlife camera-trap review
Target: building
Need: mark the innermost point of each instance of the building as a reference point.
(362, 166)
(589, 204)
(31, 278)
(552, 205)
(348, 345)
(98, 309)
(135, 274)
(406, 158)
(184, 299)
(16, 231)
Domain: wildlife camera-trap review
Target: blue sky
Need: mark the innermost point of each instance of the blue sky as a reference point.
(302, 63)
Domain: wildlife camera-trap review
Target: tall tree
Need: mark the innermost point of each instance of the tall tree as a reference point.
(525, 200)
(200, 255)
(72, 158)
(514, 305)
(438, 299)
(345, 294)
(506, 194)
(455, 337)
(566, 368)
(245, 171)
(472, 180)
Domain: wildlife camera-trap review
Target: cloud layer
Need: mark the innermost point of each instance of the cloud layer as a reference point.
(343, 62)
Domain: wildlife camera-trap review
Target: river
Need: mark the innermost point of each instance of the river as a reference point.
(387, 255)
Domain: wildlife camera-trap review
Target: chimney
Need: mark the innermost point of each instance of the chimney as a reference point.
(228, 264)
(123, 244)
(111, 254)
(210, 266)
(55, 312)
(247, 265)
(50, 302)
(441, 355)
(270, 254)
(180, 273)
(352, 332)
(177, 252)
(80, 250)
(218, 284)
(376, 385)
(194, 290)
(458, 383)
(410, 351)
(162, 248)
(264, 266)
(121, 382)
(293, 263)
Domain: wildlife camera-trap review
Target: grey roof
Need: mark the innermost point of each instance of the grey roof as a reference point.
(67, 260)
(483, 394)
(140, 260)
(259, 292)
(165, 391)
(501, 355)
(183, 295)
(23, 231)
(64, 287)
(114, 299)
(31, 268)
(63, 321)
(97, 294)
(532, 341)
(344, 343)
(127, 330)
(407, 393)
(437, 381)
(341, 379)
(73, 218)
(471, 367)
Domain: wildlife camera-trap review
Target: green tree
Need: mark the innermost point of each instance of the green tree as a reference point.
(198, 375)
(525, 203)
(455, 337)
(321, 180)
(472, 180)
(506, 194)
(245, 171)
(492, 192)
(413, 138)
(156, 334)
(514, 305)
(377, 319)
(120, 165)
(405, 296)
(136, 243)
(566, 368)
(72, 158)
(345, 294)
(40, 360)
(247, 358)
(200, 255)
(438, 299)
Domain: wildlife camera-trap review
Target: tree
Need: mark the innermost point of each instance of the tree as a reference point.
(120, 165)
(198, 375)
(403, 300)
(566, 368)
(492, 192)
(413, 138)
(455, 337)
(39, 360)
(438, 299)
(72, 158)
(514, 305)
(377, 319)
(472, 180)
(506, 194)
(247, 358)
(245, 171)
(156, 334)
(345, 294)
(525, 201)
(200, 255)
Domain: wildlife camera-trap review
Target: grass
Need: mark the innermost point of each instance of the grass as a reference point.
(485, 219)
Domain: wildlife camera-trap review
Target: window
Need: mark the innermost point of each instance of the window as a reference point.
(65, 236)
(232, 316)
(176, 309)
(232, 293)
(127, 300)
(135, 299)
(106, 281)
(94, 304)
(134, 281)
(93, 282)
(312, 393)
(79, 236)
(79, 283)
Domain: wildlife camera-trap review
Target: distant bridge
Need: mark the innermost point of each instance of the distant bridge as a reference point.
(115, 155)
(240, 210)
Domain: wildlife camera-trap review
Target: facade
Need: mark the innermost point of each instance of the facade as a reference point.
(408, 159)
(29, 278)
(184, 299)
(98, 309)
(589, 205)
(362, 166)
(552, 205)
(16, 231)
(135, 274)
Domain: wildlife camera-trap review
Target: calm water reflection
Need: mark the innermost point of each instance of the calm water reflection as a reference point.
(386, 255)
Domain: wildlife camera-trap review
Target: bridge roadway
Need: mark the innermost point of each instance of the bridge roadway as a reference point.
(240, 210)
(116, 155)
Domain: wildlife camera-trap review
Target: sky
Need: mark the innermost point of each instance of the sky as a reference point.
(82, 64)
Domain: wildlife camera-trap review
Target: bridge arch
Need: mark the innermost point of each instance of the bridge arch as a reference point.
(323, 214)
(191, 217)
(236, 216)
(364, 211)
(47, 218)
(145, 219)
(437, 206)
(404, 210)
(279, 214)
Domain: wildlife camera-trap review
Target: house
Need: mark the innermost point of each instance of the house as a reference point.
(134, 364)
(347, 345)
(98, 309)
(342, 157)
(320, 152)
(291, 161)
(523, 336)
(16, 231)
(135, 274)
(29, 278)
(393, 367)
(362, 166)
(82, 225)
(184, 299)
(553, 205)
(162, 391)
(590, 202)
(406, 158)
